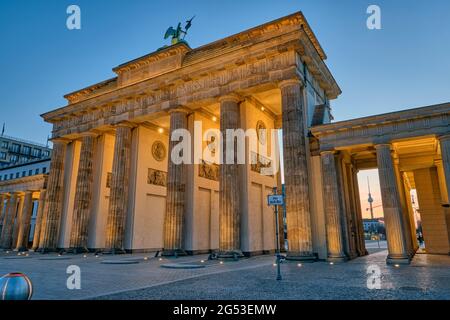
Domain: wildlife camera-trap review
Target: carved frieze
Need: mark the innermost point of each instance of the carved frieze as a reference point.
(209, 171)
(157, 177)
(261, 164)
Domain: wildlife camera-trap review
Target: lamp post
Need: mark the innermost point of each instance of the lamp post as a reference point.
(276, 200)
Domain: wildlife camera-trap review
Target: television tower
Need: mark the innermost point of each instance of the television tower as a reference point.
(370, 200)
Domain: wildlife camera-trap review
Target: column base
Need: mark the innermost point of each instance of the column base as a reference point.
(114, 251)
(399, 260)
(173, 253)
(296, 256)
(233, 254)
(337, 259)
(21, 249)
(78, 250)
(46, 250)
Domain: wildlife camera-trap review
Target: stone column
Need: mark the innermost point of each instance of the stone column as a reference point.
(403, 201)
(38, 224)
(16, 220)
(359, 223)
(24, 222)
(53, 204)
(333, 211)
(118, 200)
(176, 188)
(8, 222)
(3, 197)
(229, 202)
(83, 195)
(296, 172)
(391, 206)
(445, 154)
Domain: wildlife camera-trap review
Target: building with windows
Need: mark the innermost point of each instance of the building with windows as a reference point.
(22, 191)
(15, 151)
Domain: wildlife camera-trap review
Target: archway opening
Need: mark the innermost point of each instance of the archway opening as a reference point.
(372, 210)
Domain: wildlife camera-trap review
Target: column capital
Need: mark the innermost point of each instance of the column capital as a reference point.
(290, 82)
(125, 124)
(382, 146)
(60, 140)
(445, 137)
(326, 152)
(180, 109)
(233, 97)
(92, 134)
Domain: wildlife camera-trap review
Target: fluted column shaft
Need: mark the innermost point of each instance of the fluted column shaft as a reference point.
(229, 208)
(3, 197)
(391, 206)
(24, 222)
(445, 154)
(39, 216)
(83, 195)
(53, 205)
(118, 200)
(8, 222)
(176, 188)
(333, 212)
(296, 172)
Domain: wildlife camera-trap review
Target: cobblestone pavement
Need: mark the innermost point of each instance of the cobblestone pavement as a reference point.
(428, 277)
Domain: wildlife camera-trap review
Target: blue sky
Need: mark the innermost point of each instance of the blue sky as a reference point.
(401, 66)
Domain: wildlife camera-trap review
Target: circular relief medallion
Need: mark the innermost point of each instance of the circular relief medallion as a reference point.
(158, 151)
(261, 131)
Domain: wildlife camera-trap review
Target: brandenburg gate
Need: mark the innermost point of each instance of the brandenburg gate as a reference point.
(113, 186)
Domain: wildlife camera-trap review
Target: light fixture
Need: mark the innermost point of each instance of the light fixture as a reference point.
(214, 119)
(331, 263)
(221, 262)
(84, 256)
(202, 261)
(145, 258)
(160, 259)
(160, 130)
(299, 265)
(397, 265)
(262, 109)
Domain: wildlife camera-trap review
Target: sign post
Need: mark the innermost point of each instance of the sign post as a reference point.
(276, 200)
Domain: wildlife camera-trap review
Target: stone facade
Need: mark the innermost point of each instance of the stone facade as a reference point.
(113, 185)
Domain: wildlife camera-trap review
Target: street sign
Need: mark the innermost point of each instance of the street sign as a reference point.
(275, 200)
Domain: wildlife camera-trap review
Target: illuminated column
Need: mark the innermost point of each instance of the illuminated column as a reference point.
(8, 222)
(83, 195)
(359, 223)
(115, 227)
(24, 222)
(229, 207)
(332, 208)
(392, 207)
(53, 204)
(38, 224)
(3, 197)
(445, 154)
(296, 172)
(176, 188)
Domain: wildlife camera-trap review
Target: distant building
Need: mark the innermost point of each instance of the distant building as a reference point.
(372, 225)
(14, 151)
(23, 181)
